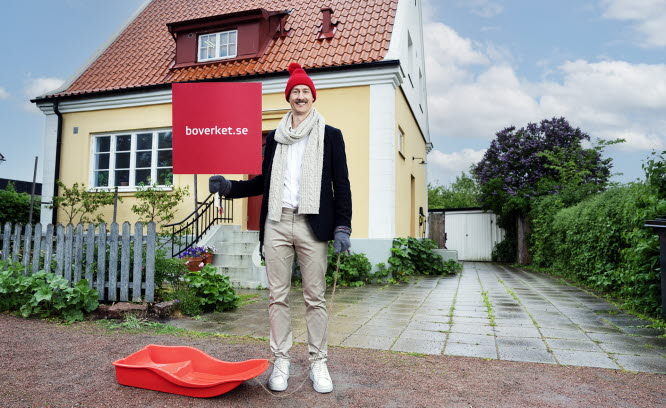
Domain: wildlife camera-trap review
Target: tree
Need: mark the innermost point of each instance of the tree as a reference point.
(539, 159)
(157, 204)
(462, 193)
(79, 202)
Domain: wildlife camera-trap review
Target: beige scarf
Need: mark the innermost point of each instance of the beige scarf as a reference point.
(313, 160)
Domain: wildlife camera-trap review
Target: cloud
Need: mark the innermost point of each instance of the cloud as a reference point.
(3, 93)
(473, 92)
(446, 166)
(39, 86)
(35, 87)
(648, 17)
(482, 8)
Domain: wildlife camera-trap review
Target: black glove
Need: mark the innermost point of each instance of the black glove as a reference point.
(218, 184)
(341, 242)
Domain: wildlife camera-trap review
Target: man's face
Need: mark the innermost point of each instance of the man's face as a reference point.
(301, 99)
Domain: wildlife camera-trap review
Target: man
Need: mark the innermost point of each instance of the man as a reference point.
(306, 202)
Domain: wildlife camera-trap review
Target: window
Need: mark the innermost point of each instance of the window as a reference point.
(401, 142)
(217, 46)
(130, 158)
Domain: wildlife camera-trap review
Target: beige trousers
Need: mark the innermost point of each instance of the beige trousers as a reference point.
(281, 239)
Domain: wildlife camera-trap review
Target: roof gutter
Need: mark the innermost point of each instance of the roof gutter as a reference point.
(56, 174)
(258, 77)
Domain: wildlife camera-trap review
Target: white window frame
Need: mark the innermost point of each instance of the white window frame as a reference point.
(217, 46)
(131, 187)
(401, 142)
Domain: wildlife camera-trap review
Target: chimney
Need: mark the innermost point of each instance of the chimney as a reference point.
(327, 27)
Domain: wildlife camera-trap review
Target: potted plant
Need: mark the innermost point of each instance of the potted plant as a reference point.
(194, 258)
(208, 254)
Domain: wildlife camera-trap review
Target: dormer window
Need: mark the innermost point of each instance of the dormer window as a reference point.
(226, 37)
(217, 46)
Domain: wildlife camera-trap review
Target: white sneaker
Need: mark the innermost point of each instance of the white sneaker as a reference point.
(280, 375)
(321, 379)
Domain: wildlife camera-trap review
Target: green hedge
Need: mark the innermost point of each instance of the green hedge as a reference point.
(602, 243)
(15, 207)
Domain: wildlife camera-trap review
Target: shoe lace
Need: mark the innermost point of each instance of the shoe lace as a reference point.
(282, 366)
(320, 369)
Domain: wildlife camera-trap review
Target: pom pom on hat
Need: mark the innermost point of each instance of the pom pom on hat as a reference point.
(297, 76)
(293, 67)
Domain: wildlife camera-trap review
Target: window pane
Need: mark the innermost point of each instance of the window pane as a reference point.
(232, 36)
(123, 143)
(142, 176)
(164, 140)
(164, 177)
(144, 141)
(122, 160)
(122, 178)
(164, 158)
(103, 144)
(224, 51)
(101, 179)
(102, 161)
(224, 38)
(232, 49)
(143, 159)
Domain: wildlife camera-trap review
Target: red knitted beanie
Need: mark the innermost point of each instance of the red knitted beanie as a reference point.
(298, 77)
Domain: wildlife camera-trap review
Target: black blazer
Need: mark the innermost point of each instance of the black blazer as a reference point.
(335, 205)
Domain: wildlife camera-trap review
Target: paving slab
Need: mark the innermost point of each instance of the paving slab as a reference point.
(517, 331)
(478, 339)
(650, 364)
(523, 354)
(584, 358)
(470, 350)
(578, 345)
(408, 345)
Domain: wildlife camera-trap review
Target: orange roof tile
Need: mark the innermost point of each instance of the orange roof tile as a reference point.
(143, 54)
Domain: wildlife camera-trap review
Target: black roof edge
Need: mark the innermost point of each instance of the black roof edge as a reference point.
(147, 88)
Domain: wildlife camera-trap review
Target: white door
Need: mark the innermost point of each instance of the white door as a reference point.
(473, 233)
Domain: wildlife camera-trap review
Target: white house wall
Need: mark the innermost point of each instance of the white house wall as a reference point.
(381, 202)
(409, 22)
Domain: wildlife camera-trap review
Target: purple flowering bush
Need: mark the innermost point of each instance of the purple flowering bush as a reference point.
(538, 160)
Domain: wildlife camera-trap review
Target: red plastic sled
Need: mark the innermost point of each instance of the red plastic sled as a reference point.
(184, 370)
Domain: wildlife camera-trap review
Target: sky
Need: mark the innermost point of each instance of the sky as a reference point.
(490, 64)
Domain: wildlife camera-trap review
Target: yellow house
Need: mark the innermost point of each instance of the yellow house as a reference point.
(110, 124)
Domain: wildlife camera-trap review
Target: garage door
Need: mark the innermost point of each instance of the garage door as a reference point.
(473, 233)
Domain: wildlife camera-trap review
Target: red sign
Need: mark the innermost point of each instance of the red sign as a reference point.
(216, 128)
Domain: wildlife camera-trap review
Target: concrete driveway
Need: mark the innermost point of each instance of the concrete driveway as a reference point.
(489, 311)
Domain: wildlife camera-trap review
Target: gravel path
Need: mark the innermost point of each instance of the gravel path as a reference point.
(45, 364)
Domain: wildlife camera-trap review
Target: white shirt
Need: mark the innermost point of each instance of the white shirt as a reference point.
(292, 174)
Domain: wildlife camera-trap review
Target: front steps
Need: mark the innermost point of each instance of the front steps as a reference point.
(237, 255)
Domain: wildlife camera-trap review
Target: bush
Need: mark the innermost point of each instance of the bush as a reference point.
(602, 243)
(410, 256)
(213, 290)
(44, 294)
(15, 207)
(354, 268)
(169, 274)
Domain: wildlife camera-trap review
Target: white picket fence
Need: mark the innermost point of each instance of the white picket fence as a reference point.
(114, 276)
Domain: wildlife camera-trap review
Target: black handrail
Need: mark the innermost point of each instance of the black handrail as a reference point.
(186, 233)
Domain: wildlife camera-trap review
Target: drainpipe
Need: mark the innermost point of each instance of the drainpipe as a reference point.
(56, 175)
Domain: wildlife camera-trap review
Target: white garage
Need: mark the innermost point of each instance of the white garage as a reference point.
(472, 232)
